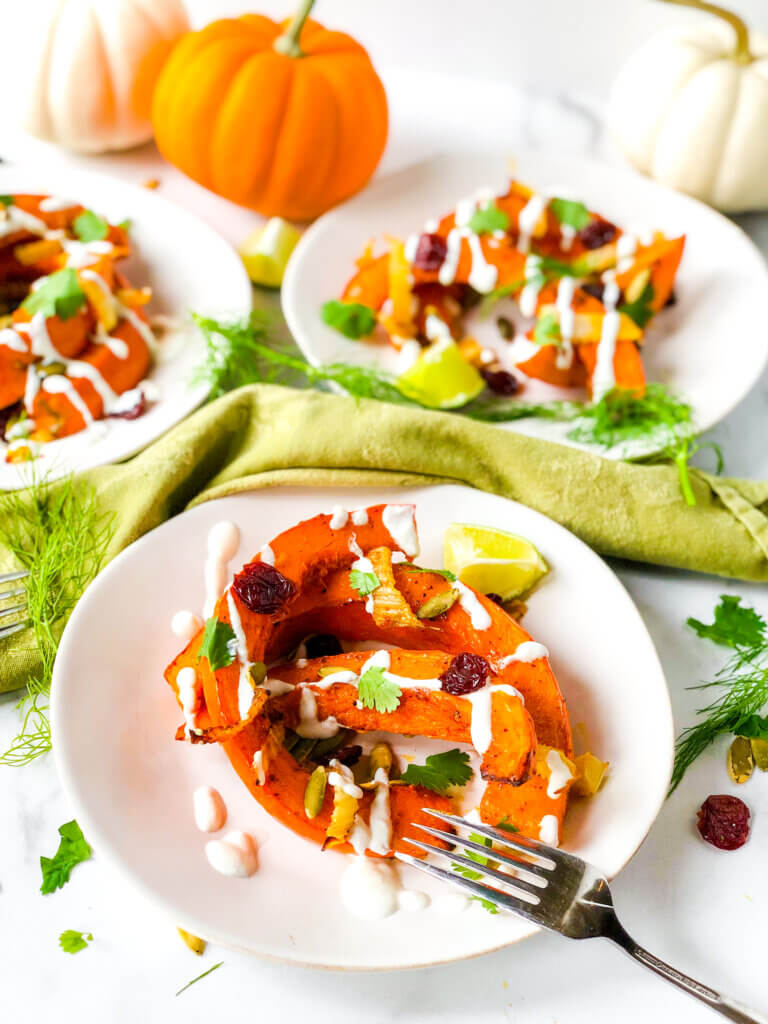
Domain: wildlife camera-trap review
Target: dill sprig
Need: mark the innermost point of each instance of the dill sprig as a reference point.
(60, 534)
(743, 681)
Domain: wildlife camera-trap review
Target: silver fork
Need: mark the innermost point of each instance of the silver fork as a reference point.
(554, 890)
(7, 592)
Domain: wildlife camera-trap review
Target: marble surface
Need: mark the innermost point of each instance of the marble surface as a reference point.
(700, 909)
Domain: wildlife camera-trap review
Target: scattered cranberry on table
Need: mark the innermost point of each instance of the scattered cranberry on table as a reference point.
(724, 821)
(501, 382)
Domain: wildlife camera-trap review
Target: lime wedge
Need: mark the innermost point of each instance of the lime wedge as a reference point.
(267, 250)
(492, 561)
(441, 378)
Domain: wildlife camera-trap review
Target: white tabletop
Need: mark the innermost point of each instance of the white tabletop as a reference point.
(689, 903)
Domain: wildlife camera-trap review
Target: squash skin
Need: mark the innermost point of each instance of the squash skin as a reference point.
(317, 558)
(285, 136)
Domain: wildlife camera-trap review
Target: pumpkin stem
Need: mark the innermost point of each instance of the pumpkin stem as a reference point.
(741, 54)
(288, 42)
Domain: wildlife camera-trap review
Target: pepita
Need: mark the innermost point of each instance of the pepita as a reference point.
(637, 285)
(740, 760)
(258, 672)
(760, 754)
(329, 670)
(327, 746)
(303, 749)
(51, 369)
(314, 794)
(437, 604)
(381, 757)
(197, 945)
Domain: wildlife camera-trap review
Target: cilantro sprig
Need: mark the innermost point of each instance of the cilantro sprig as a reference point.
(547, 330)
(90, 227)
(571, 213)
(742, 682)
(378, 693)
(440, 771)
(488, 219)
(72, 941)
(445, 573)
(59, 295)
(73, 850)
(364, 582)
(200, 977)
(640, 309)
(352, 319)
(219, 644)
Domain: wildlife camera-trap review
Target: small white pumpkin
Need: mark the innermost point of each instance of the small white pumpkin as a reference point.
(98, 62)
(690, 108)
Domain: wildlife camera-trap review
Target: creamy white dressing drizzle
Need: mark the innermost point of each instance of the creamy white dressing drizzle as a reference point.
(234, 855)
(13, 340)
(52, 204)
(412, 900)
(310, 726)
(57, 384)
(245, 685)
(380, 820)
(559, 773)
(185, 625)
(528, 218)
(410, 350)
(534, 279)
(479, 616)
(567, 317)
(359, 836)
(84, 254)
(267, 555)
(400, 523)
(447, 272)
(481, 726)
(31, 388)
(340, 777)
(258, 767)
(604, 377)
(339, 517)
(223, 542)
(365, 565)
(189, 695)
(626, 247)
(528, 650)
(411, 245)
(360, 516)
(370, 889)
(209, 809)
(549, 830)
(16, 219)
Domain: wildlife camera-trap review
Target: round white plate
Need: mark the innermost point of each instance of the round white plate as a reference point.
(114, 718)
(189, 268)
(710, 347)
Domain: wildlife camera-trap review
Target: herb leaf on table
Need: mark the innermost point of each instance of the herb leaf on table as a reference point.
(742, 682)
(200, 977)
(73, 850)
(72, 941)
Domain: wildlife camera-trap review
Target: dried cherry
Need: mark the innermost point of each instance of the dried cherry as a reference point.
(262, 588)
(348, 755)
(322, 645)
(430, 252)
(466, 673)
(597, 233)
(130, 406)
(724, 821)
(501, 382)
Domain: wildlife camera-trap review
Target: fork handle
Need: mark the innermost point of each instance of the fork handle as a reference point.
(722, 1005)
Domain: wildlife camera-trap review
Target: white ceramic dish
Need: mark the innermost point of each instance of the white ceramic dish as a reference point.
(189, 268)
(710, 347)
(131, 784)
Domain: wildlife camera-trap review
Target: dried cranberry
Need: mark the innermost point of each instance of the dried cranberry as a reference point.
(724, 822)
(672, 300)
(501, 382)
(496, 598)
(594, 288)
(598, 232)
(465, 674)
(262, 588)
(348, 755)
(11, 412)
(322, 645)
(430, 252)
(129, 406)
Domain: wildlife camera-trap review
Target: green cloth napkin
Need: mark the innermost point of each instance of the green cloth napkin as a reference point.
(265, 436)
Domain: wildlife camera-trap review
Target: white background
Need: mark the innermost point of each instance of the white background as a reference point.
(701, 909)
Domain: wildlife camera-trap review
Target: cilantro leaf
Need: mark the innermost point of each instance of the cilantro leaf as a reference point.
(640, 310)
(73, 849)
(506, 826)
(199, 977)
(754, 727)
(90, 227)
(72, 942)
(489, 218)
(476, 876)
(219, 644)
(547, 330)
(734, 626)
(378, 693)
(125, 224)
(364, 582)
(59, 295)
(570, 212)
(352, 319)
(6, 200)
(445, 573)
(440, 772)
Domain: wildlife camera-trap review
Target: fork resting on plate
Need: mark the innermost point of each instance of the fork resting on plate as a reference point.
(552, 889)
(11, 585)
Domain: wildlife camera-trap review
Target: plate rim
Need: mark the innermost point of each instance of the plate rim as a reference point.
(291, 278)
(65, 181)
(59, 712)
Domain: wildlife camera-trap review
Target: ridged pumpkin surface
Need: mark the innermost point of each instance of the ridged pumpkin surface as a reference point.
(287, 136)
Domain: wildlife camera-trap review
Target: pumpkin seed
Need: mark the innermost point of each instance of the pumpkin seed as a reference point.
(324, 747)
(760, 754)
(314, 794)
(329, 670)
(381, 757)
(740, 760)
(437, 604)
(194, 943)
(637, 285)
(303, 749)
(51, 369)
(258, 672)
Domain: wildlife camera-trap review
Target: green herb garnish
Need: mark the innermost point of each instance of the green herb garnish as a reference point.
(571, 213)
(59, 295)
(490, 299)
(488, 219)
(743, 682)
(378, 693)
(352, 319)
(547, 330)
(73, 850)
(475, 876)
(219, 644)
(200, 977)
(754, 727)
(125, 224)
(6, 200)
(72, 942)
(58, 532)
(364, 582)
(445, 573)
(90, 227)
(640, 310)
(440, 772)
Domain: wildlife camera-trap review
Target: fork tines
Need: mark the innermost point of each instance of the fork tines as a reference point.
(12, 611)
(517, 869)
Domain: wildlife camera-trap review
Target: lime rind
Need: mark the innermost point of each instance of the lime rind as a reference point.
(441, 378)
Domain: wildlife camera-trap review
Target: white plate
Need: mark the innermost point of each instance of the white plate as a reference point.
(189, 268)
(114, 718)
(710, 347)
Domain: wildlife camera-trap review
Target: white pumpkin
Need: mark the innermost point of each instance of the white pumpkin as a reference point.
(98, 63)
(690, 108)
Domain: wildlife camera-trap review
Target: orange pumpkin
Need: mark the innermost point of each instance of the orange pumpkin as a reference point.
(288, 119)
